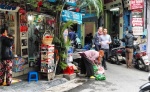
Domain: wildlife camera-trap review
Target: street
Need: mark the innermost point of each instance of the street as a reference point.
(118, 79)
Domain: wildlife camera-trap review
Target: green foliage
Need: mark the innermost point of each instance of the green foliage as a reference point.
(56, 40)
(90, 4)
(63, 65)
(64, 45)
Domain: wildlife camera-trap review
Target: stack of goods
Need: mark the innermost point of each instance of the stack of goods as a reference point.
(47, 58)
(18, 64)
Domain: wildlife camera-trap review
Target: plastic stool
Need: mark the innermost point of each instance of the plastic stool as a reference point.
(31, 74)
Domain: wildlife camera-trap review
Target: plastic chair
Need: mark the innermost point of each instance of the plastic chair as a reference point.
(32, 76)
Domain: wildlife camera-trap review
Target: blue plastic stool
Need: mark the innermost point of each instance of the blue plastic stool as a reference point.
(32, 76)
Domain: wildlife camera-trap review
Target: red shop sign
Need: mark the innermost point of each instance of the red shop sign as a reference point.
(136, 4)
(137, 22)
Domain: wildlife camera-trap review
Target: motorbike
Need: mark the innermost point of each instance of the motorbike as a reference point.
(145, 87)
(117, 55)
(140, 59)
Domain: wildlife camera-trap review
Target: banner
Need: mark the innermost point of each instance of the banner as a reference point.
(137, 22)
(136, 4)
(71, 16)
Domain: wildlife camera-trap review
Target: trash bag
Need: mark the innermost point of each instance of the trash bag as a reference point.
(95, 68)
(100, 77)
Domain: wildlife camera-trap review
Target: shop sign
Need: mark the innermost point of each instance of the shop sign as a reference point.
(137, 13)
(71, 16)
(137, 21)
(136, 4)
(137, 30)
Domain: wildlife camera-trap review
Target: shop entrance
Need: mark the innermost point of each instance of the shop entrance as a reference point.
(114, 24)
(88, 31)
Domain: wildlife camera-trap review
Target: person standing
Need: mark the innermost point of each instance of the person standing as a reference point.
(72, 36)
(129, 40)
(96, 38)
(105, 40)
(6, 56)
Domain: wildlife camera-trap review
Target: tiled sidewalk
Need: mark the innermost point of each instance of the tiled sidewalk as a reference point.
(33, 86)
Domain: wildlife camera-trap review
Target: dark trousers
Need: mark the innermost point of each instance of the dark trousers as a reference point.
(106, 55)
(87, 66)
(97, 47)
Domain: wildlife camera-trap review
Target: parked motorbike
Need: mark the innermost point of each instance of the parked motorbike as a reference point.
(140, 59)
(115, 43)
(117, 55)
(145, 87)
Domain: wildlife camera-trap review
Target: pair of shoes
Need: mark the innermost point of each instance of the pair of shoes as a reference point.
(105, 68)
(92, 77)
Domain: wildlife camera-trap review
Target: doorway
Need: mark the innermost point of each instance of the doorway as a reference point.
(88, 28)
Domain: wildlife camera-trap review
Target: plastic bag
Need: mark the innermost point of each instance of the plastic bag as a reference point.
(100, 77)
(100, 70)
(95, 68)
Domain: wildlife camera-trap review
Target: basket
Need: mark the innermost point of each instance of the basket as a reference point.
(47, 38)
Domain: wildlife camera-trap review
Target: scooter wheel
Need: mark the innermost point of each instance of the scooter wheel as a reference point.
(141, 91)
(147, 68)
(117, 61)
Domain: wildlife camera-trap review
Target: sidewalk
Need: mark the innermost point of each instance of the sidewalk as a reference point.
(24, 86)
(55, 85)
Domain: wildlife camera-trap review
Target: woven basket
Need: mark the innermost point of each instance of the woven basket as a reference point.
(47, 40)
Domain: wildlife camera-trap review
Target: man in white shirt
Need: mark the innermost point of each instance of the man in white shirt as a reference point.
(105, 40)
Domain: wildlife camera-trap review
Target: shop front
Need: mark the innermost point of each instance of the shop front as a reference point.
(28, 30)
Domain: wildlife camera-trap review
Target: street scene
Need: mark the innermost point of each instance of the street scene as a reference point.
(74, 46)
